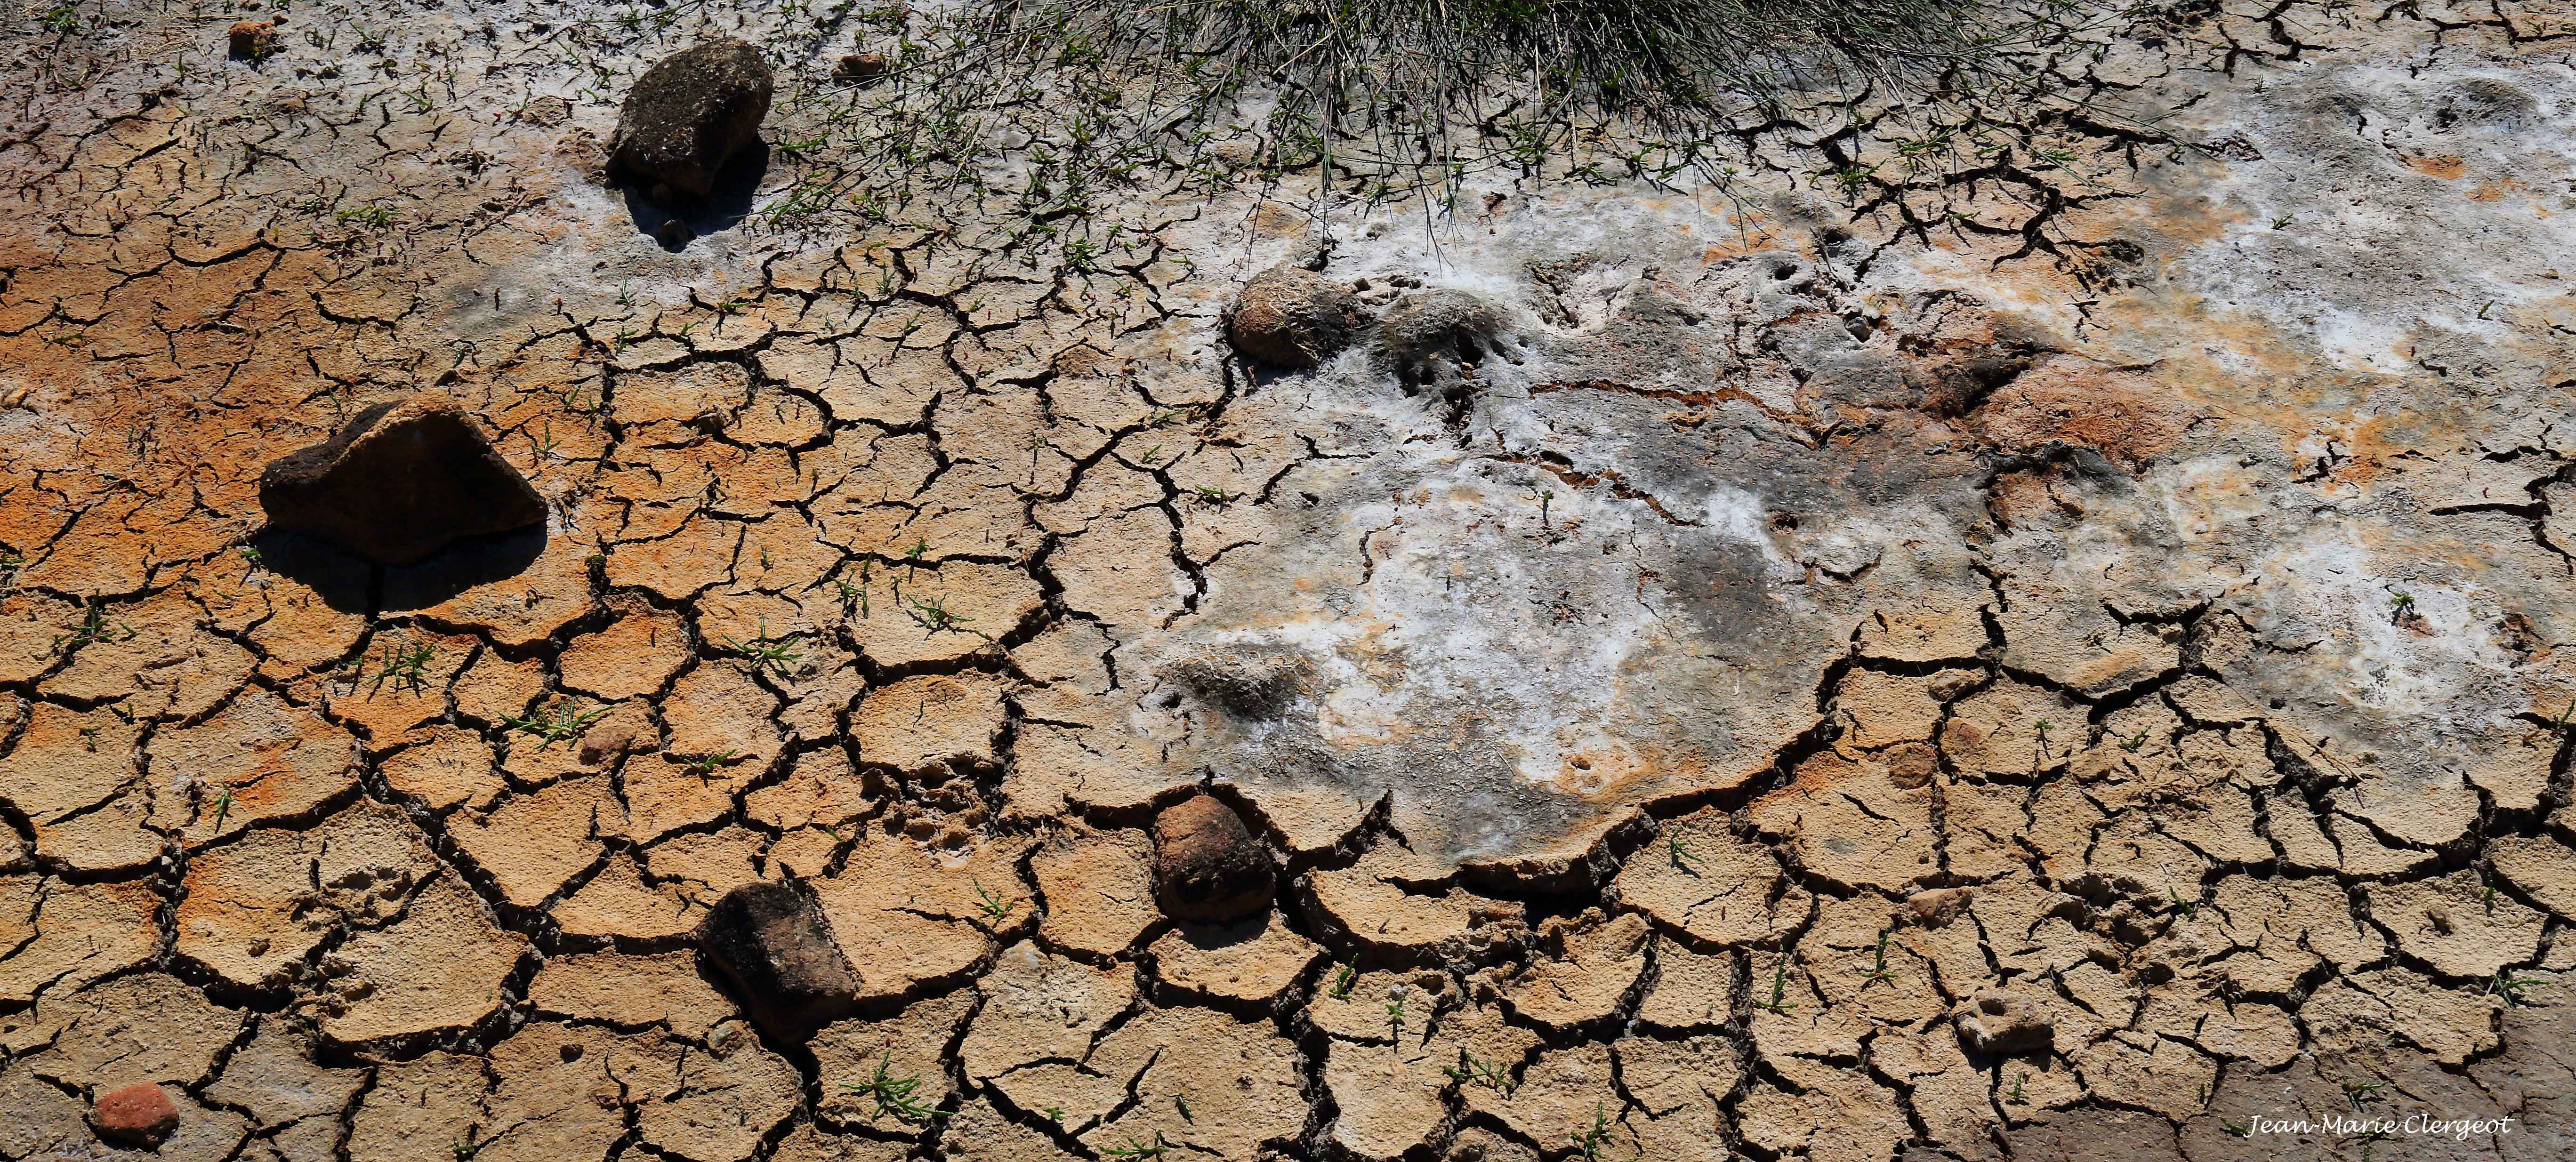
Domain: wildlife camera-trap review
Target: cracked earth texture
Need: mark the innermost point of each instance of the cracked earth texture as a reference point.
(2115, 591)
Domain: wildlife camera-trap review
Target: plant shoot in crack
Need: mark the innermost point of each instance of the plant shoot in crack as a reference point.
(564, 721)
(894, 1095)
(778, 655)
(991, 903)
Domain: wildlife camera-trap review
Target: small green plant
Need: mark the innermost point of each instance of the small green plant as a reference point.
(250, 556)
(94, 627)
(893, 1095)
(1473, 1070)
(1778, 1004)
(375, 217)
(1135, 1149)
(223, 806)
(2400, 602)
(1682, 855)
(933, 614)
(2133, 742)
(1344, 979)
(1588, 1140)
(2179, 906)
(1395, 1014)
(406, 667)
(564, 721)
(2360, 1092)
(2509, 986)
(2017, 1097)
(1182, 1105)
(991, 903)
(705, 765)
(1878, 970)
(920, 546)
(853, 595)
(777, 655)
(62, 21)
(1211, 494)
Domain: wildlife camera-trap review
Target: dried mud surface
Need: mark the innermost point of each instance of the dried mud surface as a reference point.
(2115, 592)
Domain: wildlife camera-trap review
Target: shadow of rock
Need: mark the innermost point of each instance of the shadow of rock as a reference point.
(727, 206)
(349, 584)
(459, 567)
(341, 580)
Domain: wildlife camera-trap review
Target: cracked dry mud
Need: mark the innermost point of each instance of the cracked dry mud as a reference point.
(2109, 600)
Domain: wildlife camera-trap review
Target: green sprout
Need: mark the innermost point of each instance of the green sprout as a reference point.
(1682, 855)
(223, 807)
(893, 1095)
(1344, 979)
(1878, 968)
(1588, 1140)
(1472, 1070)
(1778, 1005)
(778, 655)
(705, 765)
(1135, 1149)
(934, 615)
(992, 904)
(406, 667)
(94, 627)
(567, 721)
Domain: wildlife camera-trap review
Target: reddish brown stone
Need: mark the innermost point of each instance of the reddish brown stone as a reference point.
(137, 1115)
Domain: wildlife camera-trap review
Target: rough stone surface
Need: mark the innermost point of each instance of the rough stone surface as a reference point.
(1291, 317)
(137, 1115)
(690, 114)
(1209, 867)
(776, 947)
(399, 482)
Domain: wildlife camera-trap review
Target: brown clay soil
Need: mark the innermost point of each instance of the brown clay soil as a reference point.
(2052, 656)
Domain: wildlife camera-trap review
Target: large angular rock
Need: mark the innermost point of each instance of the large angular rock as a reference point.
(771, 940)
(1208, 867)
(1288, 316)
(399, 482)
(687, 116)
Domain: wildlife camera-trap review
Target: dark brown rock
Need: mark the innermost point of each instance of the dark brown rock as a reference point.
(1289, 316)
(1208, 867)
(137, 1115)
(687, 116)
(2004, 1024)
(772, 942)
(400, 482)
